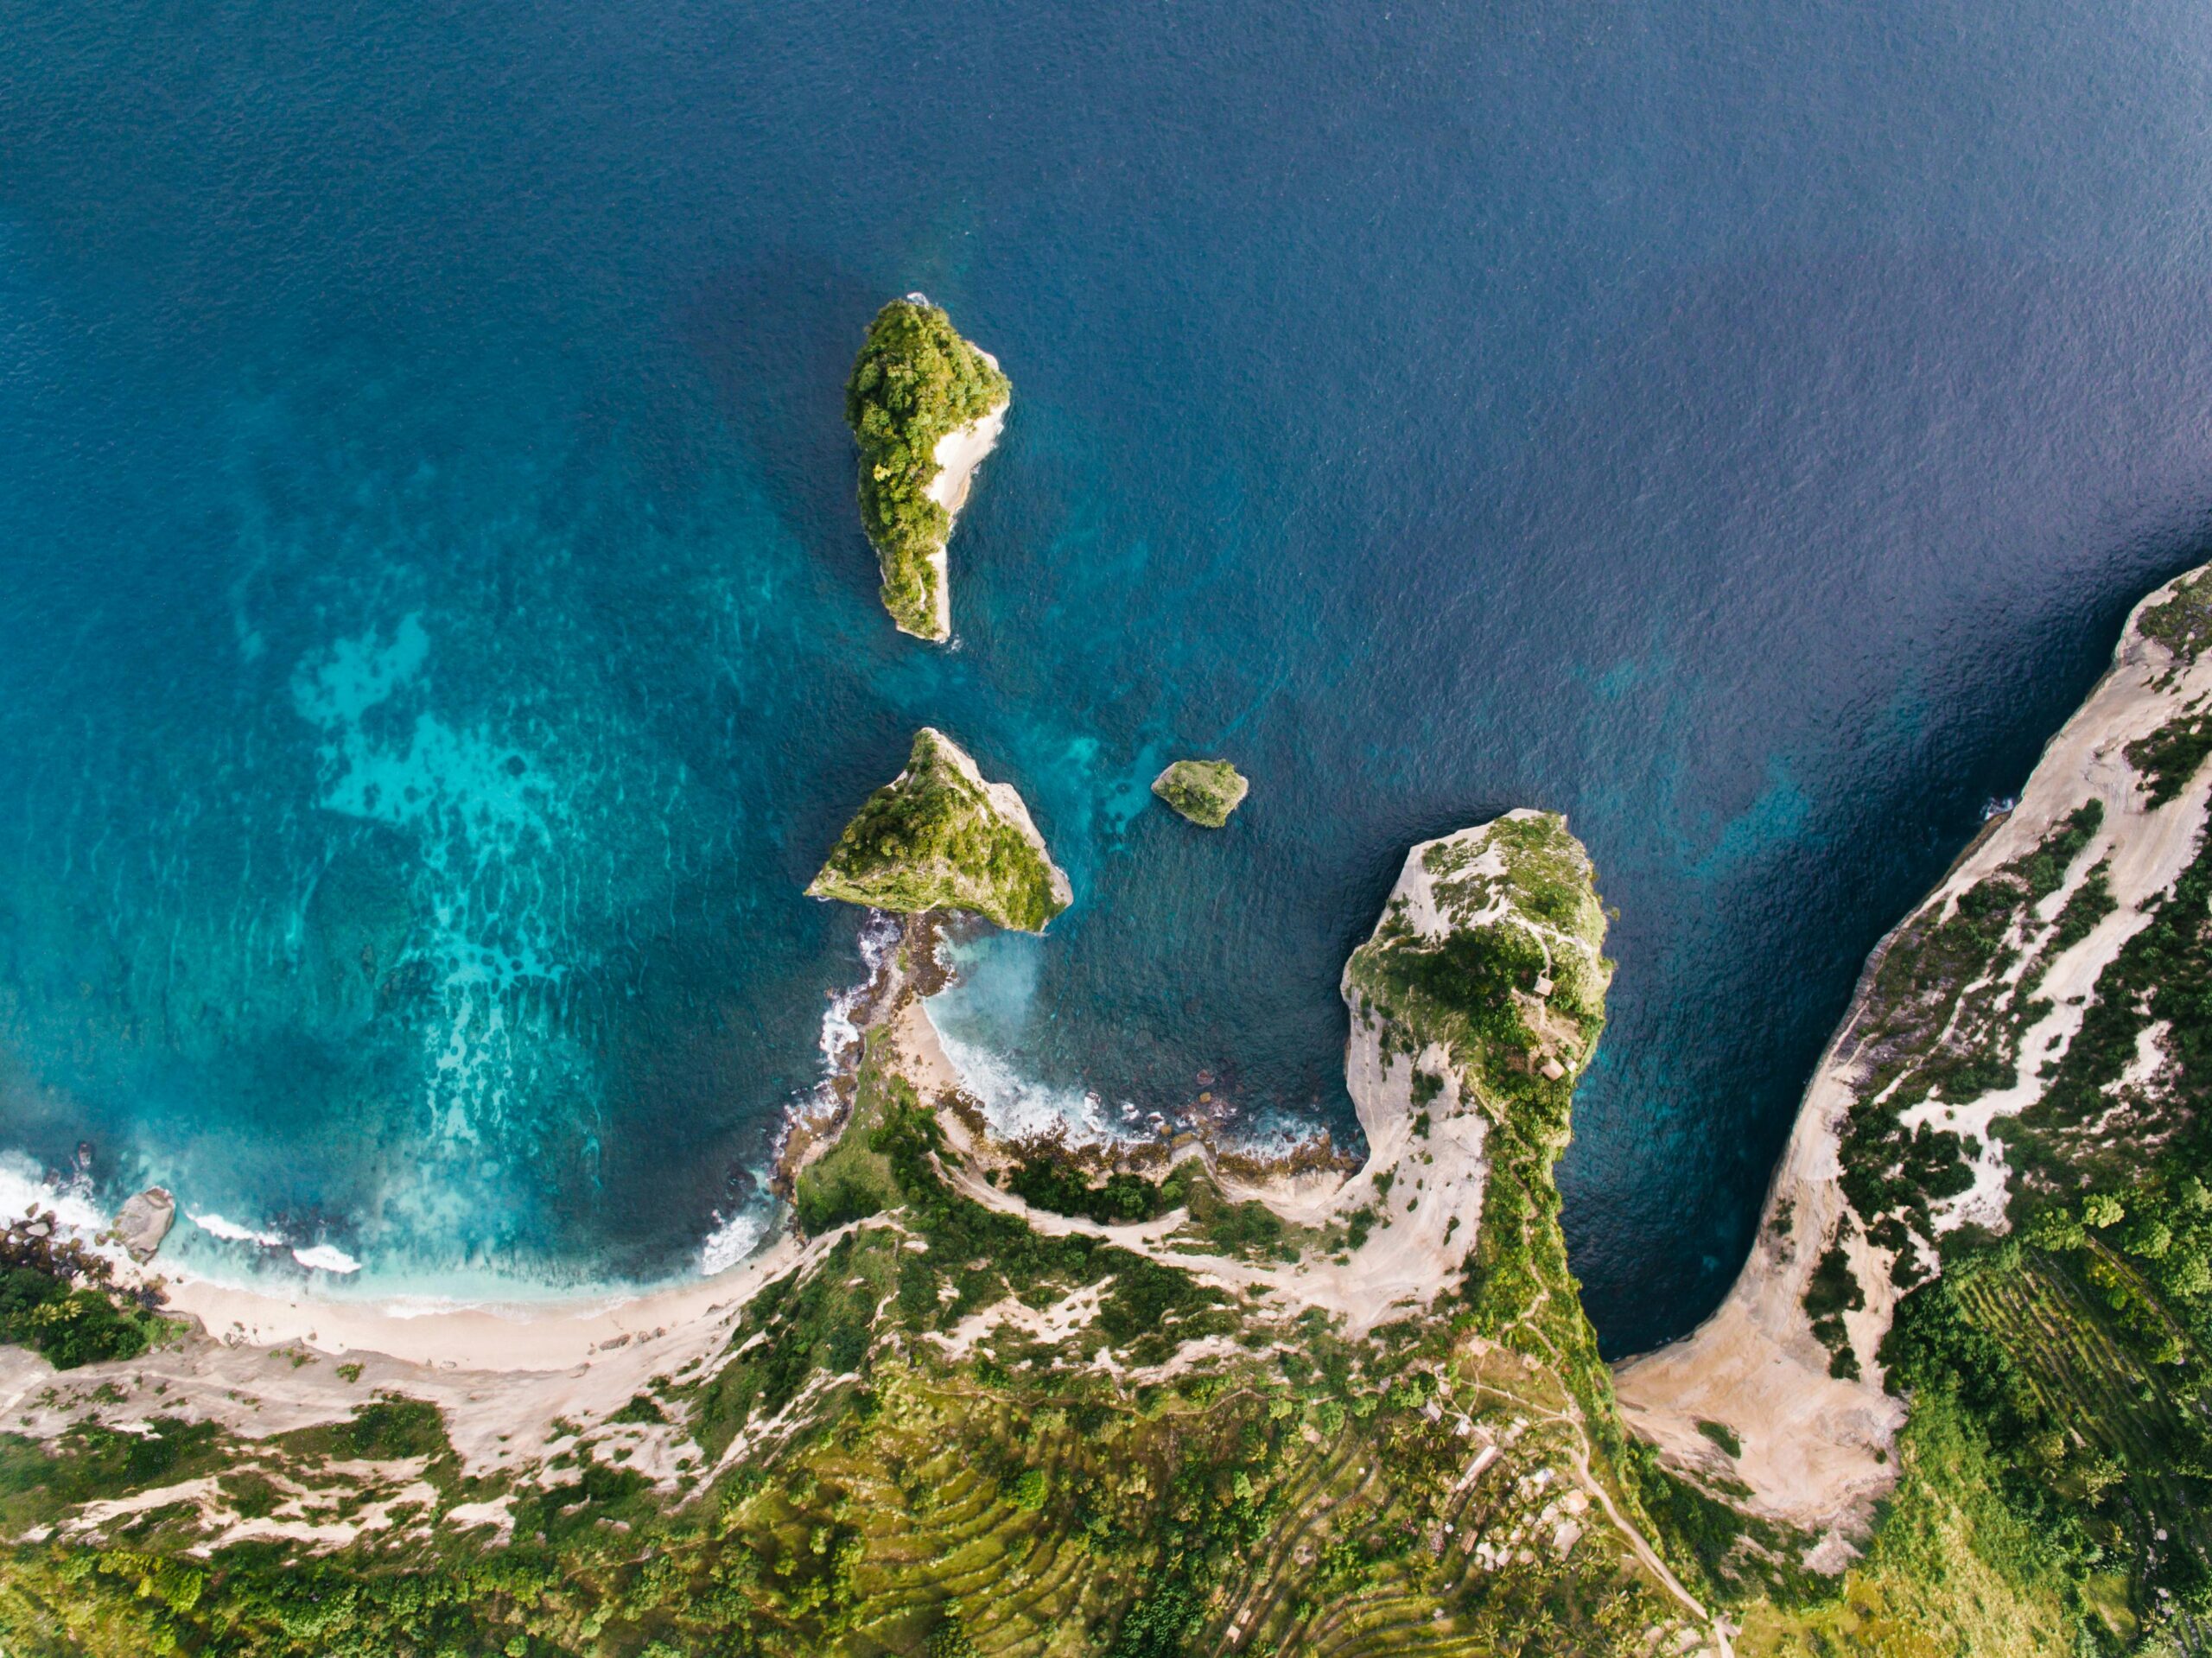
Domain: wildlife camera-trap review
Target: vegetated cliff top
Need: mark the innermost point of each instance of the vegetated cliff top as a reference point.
(915, 382)
(938, 838)
(1491, 945)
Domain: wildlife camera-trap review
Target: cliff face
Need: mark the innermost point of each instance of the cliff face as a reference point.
(2021, 1038)
(1475, 1005)
(939, 837)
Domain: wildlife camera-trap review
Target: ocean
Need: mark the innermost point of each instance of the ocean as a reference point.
(437, 646)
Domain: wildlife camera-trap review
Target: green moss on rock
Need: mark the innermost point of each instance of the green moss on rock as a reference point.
(938, 838)
(915, 382)
(1206, 791)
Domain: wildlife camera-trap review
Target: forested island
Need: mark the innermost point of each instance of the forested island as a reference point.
(925, 407)
(938, 838)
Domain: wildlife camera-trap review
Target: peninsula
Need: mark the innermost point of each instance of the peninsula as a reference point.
(925, 407)
(979, 1398)
(938, 838)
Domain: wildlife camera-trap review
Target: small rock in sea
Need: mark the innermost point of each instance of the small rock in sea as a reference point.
(1204, 791)
(144, 1221)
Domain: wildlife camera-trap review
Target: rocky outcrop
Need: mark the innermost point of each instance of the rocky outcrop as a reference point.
(1204, 791)
(939, 837)
(143, 1221)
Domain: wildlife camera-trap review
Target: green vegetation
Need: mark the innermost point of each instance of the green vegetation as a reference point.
(1722, 1435)
(936, 838)
(2170, 756)
(915, 381)
(2184, 623)
(1941, 1023)
(1055, 1181)
(57, 1297)
(1833, 1292)
(1206, 791)
(1953, 1569)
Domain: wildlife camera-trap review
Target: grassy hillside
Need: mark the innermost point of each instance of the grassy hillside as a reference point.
(874, 1477)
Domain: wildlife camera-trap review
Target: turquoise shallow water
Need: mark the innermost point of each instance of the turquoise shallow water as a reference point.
(438, 647)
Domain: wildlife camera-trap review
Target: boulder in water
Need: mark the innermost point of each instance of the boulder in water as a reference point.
(144, 1221)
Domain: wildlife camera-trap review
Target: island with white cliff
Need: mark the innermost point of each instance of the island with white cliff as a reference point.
(925, 407)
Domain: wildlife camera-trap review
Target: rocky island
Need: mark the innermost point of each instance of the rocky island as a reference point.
(925, 407)
(1204, 791)
(938, 838)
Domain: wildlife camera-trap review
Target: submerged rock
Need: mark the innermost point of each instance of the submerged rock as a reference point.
(938, 838)
(1206, 791)
(143, 1221)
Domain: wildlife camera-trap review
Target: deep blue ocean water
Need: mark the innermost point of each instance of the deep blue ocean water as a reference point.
(436, 645)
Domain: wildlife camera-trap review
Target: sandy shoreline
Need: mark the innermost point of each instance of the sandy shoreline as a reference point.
(550, 1335)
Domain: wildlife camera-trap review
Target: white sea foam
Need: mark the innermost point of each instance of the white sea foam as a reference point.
(231, 1232)
(1017, 1108)
(24, 1187)
(730, 1242)
(327, 1258)
(841, 1033)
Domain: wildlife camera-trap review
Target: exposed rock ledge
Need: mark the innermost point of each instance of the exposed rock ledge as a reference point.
(1818, 1449)
(143, 1221)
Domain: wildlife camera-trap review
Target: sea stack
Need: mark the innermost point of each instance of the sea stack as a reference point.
(938, 838)
(925, 407)
(1206, 791)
